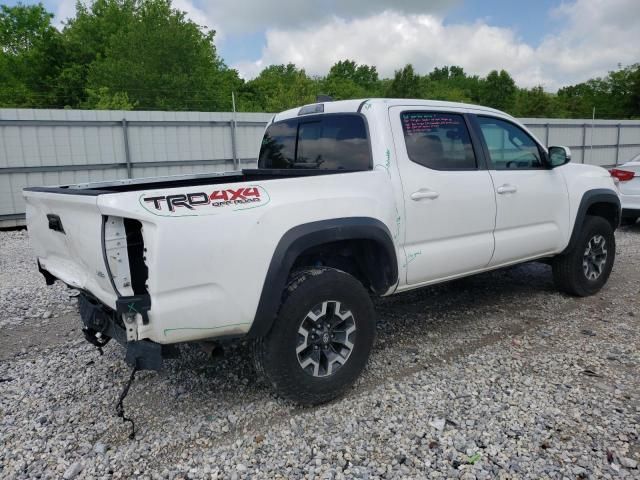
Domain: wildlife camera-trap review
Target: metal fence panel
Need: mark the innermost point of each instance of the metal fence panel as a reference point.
(595, 142)
(54, 147)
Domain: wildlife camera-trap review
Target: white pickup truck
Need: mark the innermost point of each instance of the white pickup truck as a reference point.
(350, 199)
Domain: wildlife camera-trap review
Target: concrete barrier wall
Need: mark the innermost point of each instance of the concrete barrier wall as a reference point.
(55, 147)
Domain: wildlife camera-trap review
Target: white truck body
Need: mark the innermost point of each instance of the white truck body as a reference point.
(208, 260)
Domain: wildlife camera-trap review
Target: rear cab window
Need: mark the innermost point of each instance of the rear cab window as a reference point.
(321, 142)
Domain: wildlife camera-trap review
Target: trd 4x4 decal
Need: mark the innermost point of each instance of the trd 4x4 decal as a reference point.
(205, 202)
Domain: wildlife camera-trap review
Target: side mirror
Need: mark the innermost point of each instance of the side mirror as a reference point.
(559, 156)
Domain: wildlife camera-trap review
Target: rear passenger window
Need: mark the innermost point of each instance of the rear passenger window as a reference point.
(326, 142)
(438, 140)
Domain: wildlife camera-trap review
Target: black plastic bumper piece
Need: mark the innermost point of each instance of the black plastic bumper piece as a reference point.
(144, 355)
(135, 304)
(97, 318)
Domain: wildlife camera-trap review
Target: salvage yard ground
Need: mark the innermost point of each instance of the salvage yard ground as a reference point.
(494, 376)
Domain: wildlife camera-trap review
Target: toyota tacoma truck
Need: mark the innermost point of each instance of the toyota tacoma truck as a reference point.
(349, 200)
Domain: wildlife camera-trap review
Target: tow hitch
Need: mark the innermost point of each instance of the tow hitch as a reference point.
(95, 338)
(96, 323)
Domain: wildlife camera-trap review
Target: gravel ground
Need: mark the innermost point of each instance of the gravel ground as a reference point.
(23, 299)
(494, 376)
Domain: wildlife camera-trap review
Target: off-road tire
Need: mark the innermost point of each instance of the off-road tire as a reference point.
(275, 354)
(568, 271)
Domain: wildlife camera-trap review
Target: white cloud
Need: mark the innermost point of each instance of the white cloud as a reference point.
(66, 10)
(197, 15)
(233, 16)
(595, 35)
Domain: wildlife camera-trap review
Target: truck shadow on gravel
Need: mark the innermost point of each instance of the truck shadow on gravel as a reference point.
(490, 292)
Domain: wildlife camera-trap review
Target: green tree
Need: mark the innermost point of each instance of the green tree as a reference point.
(576, 100)
(499, 90)
(622, 87)
(434, 90)
(534, 102)
(452, 84)
(102, 99)
(87, 37)
(633, 100)
(30, 56)
(23, 28)
(278, 87)
(405, 84)
(615, 96)
(151, 52)
(347, 79)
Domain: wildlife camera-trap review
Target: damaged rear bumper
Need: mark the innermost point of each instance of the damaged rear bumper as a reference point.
(100, 324)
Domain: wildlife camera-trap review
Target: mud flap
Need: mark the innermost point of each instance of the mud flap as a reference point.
(144, 355)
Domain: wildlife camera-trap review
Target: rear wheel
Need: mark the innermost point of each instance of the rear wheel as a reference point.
(322, 338)
(586, 267)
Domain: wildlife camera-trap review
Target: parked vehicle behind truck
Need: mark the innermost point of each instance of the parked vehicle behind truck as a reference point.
(627, 179)
(350, 200)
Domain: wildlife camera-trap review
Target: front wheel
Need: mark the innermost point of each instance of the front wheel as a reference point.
(585, 269)
(322, 338)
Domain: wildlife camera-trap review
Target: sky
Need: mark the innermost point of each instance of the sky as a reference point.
(552, 43)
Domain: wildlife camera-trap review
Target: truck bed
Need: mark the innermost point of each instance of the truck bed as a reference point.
(193, 248)
(152, 183)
